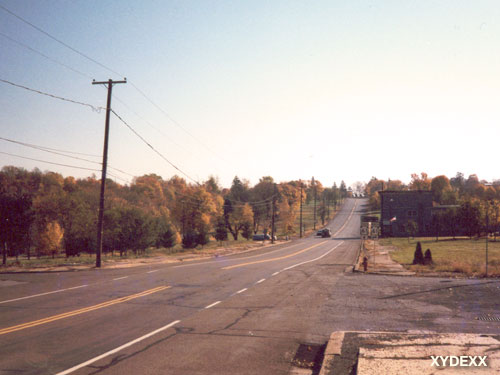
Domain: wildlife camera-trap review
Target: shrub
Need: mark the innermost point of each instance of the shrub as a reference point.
(418, 257)
(428, 257)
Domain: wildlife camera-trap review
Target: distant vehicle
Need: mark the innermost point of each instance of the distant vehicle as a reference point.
(258, 237)
(263, 237)
(325, 232)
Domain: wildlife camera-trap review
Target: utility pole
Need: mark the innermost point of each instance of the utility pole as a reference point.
(272, 220)
(487, 225)
(314, 187)
(110, 84)
(300, 181)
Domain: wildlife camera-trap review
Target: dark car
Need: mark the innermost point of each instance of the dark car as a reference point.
(262, 237)
(326, 233)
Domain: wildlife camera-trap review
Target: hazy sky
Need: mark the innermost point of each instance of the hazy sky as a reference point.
(292, 89)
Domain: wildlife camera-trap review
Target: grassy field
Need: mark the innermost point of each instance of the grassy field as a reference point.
(460, 256)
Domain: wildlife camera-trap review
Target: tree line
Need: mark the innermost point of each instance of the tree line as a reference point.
(44, 213)
(464, 206)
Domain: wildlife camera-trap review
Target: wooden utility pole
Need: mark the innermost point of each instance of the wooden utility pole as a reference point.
(110, 84)
(314, 187)
(300, 181)
(274, 211)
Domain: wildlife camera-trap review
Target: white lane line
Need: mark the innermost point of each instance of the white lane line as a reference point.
(241, 291)
(318, 258)
(119, 278)
(274, 274)
(90, 361)
(152, 271)
(261, 280)
(212, 305)
(43, 294)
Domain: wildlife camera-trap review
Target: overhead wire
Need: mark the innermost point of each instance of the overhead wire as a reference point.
(46, 149)
(58, 40)
(94, 108)
(49, 162)
(112, 71)
(152, 148)
(45, 56)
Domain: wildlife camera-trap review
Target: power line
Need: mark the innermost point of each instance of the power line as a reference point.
(49, 162)
(46, 149)
(58, 40)
(152, 148)
(44, 55)
(174, 121)
(112, 71)
(94, 108)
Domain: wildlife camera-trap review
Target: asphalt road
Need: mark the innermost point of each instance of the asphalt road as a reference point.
(245, 314)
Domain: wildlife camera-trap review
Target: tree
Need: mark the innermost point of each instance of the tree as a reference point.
(167, 236)
(439, 186)
(236, 217)
(50, 238)
(412, 228)
(261, 195)
(418, 257)
(469, 217)
(221, 231)
(421, 182)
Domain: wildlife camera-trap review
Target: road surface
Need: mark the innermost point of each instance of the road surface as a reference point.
(243, 314)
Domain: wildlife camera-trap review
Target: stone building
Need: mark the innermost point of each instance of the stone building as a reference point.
(400, 210)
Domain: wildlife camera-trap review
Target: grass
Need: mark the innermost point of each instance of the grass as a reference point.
(451, 256)
(214, 247)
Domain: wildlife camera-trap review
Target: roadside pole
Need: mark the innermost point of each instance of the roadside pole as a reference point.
(300, 181)
(110, 84)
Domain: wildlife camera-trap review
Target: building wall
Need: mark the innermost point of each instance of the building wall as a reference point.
(405, 206)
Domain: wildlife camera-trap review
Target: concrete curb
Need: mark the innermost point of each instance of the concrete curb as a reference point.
(409, 352)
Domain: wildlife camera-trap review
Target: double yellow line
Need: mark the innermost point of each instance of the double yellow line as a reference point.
(272, 259)
(80, 311)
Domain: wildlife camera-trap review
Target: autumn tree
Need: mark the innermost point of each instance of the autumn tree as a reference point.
(50, 238)
(421, 182)
(440, 185)
(261, 195)
(236, 217)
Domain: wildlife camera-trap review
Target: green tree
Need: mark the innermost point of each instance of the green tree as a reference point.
(221, 230)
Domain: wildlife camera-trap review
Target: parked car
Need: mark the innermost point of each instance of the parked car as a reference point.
(326, 233)
(263, 237)
(319, 233)
(260, 237)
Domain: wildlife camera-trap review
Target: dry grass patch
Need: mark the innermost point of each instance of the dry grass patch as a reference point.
(461, 256)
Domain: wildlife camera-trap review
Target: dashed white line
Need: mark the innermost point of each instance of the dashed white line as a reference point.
(152, 271)
(274, 274)
(119, 278)
(212, 305)
(241, 291)
(261, 280)
(43, 294)
(90, 361)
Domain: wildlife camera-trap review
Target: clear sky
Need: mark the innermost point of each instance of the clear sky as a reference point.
(292, 89)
